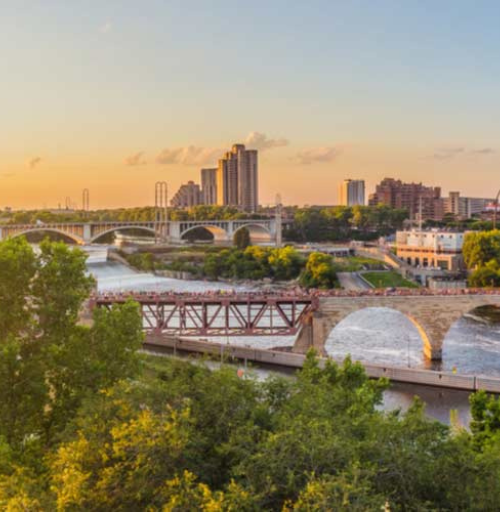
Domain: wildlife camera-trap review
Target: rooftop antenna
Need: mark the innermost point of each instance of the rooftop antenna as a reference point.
(420, 217)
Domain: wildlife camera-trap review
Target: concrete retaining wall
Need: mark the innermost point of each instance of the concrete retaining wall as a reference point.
(294, 361)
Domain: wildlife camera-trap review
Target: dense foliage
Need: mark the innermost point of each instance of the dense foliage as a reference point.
(49, 362)
(254, 262)
(320, 272)
(450, 222)
(88, 423)
(344, 223)
(180, 436)
(242, 238)
(481, 253)
(145, 213)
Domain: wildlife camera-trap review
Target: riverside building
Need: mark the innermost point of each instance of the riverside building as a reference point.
(437, 249)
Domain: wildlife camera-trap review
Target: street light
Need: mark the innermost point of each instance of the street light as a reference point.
(495, 206)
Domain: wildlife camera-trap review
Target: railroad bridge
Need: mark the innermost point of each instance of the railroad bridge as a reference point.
(173, 231)
(308, 317)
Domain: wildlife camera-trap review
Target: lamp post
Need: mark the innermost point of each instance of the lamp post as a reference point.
(161, 207)
(279, 221)
(495, 206)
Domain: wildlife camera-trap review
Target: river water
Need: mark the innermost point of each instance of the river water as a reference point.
(375, 335)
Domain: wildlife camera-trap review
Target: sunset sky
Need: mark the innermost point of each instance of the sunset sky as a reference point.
(113, 95)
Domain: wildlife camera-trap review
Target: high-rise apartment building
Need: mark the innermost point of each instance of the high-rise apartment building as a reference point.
(237, 179)
(209, 186)
(413, 197)
(352, 193)
(188, 195)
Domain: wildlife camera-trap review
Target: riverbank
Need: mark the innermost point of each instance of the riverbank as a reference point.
(283, 359)
(374, 336)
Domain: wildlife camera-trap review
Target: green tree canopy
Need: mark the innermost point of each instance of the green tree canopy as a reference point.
(242, 238)
(48, 361)
(320, 271)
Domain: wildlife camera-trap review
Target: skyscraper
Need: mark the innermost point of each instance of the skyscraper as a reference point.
(209, 186)
(237, 179)
(188, 195)
(352, 193)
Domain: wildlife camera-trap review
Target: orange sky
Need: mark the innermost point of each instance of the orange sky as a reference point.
(112, 183)
(113, 96)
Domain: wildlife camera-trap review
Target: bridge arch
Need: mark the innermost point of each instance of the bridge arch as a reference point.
(219, 234)
(116, 229)
(472, 342)
(412, 341)
(75, 238)
(257, 231)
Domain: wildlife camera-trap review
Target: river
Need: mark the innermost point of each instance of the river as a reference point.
(375, 335)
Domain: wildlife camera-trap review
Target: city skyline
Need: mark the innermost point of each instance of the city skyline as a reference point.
(116, 97)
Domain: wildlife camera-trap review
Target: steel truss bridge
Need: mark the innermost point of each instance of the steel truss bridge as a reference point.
(218, 315)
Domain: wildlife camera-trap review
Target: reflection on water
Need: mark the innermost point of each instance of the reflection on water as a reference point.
(440, 403)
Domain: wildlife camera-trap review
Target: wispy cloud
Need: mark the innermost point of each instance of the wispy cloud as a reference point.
(33, 162)
(483, 151)
(448, 153)
(135, 160)
(454, 152)
(189, 155)
(326, 154)
(106, 27)
(7, 174)
(260, 141)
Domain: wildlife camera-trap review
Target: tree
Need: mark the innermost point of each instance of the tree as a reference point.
(485, 411)
(48, 362)
(486, 276)
(480, 248)
(285, 263)
(319, 272)
(17, 269)
(139, 455)
(352, 490)
(242, 238)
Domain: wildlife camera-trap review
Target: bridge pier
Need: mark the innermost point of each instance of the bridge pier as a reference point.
(87, 233)
(313, 334)
(433, 353)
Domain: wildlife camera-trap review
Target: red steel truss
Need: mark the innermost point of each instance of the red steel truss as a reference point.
(244, 315)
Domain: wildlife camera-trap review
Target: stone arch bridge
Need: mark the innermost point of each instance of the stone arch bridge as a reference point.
(308, 317)
(173, 231)
(433, 315)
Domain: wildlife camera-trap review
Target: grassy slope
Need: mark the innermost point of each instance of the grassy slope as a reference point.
(388, 279)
